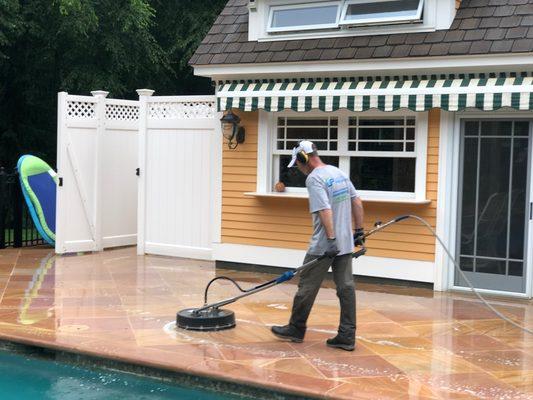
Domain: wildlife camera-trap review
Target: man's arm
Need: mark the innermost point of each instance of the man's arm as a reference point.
(326, 217)
(357, 212)
(319, 203)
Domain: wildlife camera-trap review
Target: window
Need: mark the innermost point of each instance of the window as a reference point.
(383, 134)
(322, 131)
(272, 20)
(365, 12)
(304, 16)
(384, 156)
(335, 14)
(384, 174)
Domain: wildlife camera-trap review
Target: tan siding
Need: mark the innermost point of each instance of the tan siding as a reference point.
(286, 223)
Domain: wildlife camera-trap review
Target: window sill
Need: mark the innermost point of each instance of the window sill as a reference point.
(368, 199)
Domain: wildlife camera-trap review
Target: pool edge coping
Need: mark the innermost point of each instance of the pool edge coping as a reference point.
(177, 376)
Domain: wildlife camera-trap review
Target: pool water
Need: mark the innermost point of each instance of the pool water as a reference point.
(24, 377)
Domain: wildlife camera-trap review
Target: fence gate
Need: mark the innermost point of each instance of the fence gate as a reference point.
(180, 175)
(96, 162)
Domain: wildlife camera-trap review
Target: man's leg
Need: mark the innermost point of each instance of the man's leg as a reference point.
(344, 281)
(308, 286)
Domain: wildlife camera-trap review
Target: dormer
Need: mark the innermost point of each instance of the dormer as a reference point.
(271, 20)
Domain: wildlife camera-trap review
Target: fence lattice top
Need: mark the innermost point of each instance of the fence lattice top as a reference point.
(113, 112)
(127, 111)
(182, 110)
(81, 109)
(120, 112)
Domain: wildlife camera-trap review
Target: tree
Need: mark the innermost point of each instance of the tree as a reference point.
(181, 26)
(10, 29)
(9, 25)
(48, 46)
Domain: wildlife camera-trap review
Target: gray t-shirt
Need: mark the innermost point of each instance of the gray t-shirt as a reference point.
(330, 188)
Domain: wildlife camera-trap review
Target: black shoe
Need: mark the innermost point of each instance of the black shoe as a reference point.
(339, 342)
(288, 332)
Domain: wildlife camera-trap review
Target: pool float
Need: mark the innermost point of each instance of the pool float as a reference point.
(38, 181)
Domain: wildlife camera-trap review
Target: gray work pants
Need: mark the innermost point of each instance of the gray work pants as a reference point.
(310, 281)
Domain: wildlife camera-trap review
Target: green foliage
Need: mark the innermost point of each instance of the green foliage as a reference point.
(182, 24)
(9, 24)
(47, 46)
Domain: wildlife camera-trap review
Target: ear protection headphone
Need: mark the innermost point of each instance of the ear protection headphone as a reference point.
(302, 156)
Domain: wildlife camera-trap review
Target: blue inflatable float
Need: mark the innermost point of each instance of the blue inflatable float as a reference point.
(39, 181)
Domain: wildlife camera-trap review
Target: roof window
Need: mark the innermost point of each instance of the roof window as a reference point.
(273, 20)
(341, 13)
(321, 15)
(365, 12)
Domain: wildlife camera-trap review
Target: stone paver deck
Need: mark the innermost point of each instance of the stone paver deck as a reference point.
(412, 343)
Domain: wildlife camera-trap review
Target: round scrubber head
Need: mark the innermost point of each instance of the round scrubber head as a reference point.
(214, 319)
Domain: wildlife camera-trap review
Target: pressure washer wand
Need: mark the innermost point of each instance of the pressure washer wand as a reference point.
(378, 226)
(288, 275)
(210, 317)
(188, 319)
(282, 278)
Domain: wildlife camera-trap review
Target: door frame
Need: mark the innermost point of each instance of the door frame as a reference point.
(452, 210)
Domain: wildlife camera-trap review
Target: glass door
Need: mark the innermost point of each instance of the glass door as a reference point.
(494, 204)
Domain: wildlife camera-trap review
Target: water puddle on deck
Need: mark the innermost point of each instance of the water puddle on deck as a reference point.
(441, 384)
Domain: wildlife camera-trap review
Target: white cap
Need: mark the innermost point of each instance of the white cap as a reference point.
(306, 146)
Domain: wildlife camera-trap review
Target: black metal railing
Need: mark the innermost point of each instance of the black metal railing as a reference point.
(16, 225)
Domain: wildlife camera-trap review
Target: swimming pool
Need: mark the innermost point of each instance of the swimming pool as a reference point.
(23, 377)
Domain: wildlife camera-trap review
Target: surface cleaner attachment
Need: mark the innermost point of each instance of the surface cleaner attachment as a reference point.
(211, 319)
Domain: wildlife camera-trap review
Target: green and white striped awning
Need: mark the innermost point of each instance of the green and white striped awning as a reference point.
(485, 94)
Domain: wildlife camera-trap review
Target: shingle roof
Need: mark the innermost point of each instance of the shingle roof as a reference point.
(480, 27)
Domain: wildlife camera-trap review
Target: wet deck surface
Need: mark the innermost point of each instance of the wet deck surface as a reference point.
(412, 343)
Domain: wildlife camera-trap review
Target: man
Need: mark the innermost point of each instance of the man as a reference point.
(333, 202)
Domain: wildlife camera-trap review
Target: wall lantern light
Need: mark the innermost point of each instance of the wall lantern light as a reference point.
(231, 130)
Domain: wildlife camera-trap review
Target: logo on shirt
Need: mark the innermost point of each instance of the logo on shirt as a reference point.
(340, 189)
(329, 182)
(341, 195)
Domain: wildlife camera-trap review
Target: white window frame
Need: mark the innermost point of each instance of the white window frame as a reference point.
(268, 172)
(378, 21)
(437, 14)
(273, 9)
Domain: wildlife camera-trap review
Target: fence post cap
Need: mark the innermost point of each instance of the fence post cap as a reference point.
(145, 92)
(97, 93)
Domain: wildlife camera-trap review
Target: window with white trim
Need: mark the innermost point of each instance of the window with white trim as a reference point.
(334, 14)
(383, 155)
(365, 12)
(271, 20)
(297, 17)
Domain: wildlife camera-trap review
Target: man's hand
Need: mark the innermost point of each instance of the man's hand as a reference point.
(359, 237)
(332, 250)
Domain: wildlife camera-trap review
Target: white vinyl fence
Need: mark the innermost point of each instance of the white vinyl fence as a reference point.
(96, 162)
(180, 161)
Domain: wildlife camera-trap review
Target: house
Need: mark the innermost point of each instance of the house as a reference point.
(426, 104)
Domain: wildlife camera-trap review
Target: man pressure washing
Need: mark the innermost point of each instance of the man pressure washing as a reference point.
(333, 202)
